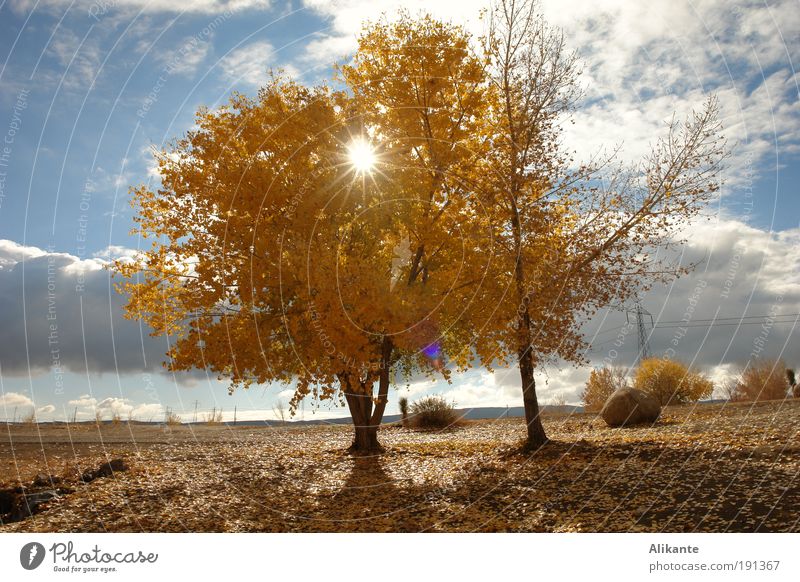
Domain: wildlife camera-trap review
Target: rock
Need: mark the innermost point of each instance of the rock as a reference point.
(113, 466)
(629, 406)
(88, 476)
(28, 504)
(7, 499)
(44, 480)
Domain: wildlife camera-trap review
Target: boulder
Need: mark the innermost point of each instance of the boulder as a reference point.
(113, 466)
(43, 480)
(28, 504)
(629, 406)
(7, 499)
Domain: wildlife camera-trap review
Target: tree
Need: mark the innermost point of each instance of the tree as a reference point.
(790, 377)
(424, 215)
(403, 403)
(601, 384)
(418, 90)
(279, 411)
(274, 237)
(671, 382)
(761, 379)
(566, 246)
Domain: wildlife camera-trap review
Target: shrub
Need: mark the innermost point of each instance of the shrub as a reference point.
(403, 403)
(433, 412)
(214, 417)
(790, 377)
(601, 384)
(671, 382)
(761, 380)
(171, 418)
(279, 410)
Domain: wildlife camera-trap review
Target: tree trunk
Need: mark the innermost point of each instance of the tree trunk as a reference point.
(533, 420)
(365, 441)
(365, 437)
(383, 385)
(533, 417)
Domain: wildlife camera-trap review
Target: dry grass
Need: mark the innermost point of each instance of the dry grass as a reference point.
(732, 467)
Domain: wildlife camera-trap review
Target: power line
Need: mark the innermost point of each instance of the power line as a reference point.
(695, 323)
(736, 318)
(705, 325)
(660, 324)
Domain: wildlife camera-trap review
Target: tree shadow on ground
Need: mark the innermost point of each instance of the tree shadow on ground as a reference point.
(584, 485)
(567, 486)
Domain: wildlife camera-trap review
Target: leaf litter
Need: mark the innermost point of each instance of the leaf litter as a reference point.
(707, 468)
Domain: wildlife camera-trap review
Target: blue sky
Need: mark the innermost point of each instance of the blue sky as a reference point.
(87, 88)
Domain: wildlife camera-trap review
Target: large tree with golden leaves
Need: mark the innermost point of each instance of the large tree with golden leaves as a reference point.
(425, 213)
(321, 238)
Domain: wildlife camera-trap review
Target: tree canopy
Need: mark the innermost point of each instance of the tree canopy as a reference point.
(421, 217)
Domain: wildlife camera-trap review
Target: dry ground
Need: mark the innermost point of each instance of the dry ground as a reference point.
(705, 468)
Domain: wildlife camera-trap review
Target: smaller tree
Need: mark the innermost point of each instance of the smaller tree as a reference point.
(671, 382)
(601, 384)
(279, 411)
(761, 380)
(790, 377)
(403, 402)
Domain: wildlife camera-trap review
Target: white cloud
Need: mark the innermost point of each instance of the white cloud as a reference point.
(114, 405)
(10, 400)
(642, 62)
(77, 296)
(84, 401)
(87, 406)
(252, 63)
(113, 252)
(11, 253)
(346, 17)
(147, 412)
(45, 410)
(187, 57)
(98, 8)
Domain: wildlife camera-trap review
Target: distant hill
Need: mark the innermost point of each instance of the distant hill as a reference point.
(482, 413)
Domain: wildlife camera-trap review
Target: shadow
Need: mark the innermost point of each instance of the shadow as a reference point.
(602, 483)
(576, 486)
(369, 500)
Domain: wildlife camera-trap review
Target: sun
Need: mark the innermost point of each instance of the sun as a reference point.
(362, 156)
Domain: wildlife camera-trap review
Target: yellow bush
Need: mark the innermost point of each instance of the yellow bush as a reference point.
(761, 380)
(671, 382)
(602, 382)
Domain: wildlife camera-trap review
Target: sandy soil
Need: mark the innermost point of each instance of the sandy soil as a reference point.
(705, 468)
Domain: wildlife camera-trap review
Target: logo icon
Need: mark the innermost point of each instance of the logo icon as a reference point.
(31, 555)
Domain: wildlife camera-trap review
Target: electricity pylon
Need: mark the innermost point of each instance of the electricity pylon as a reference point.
(644, 340)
